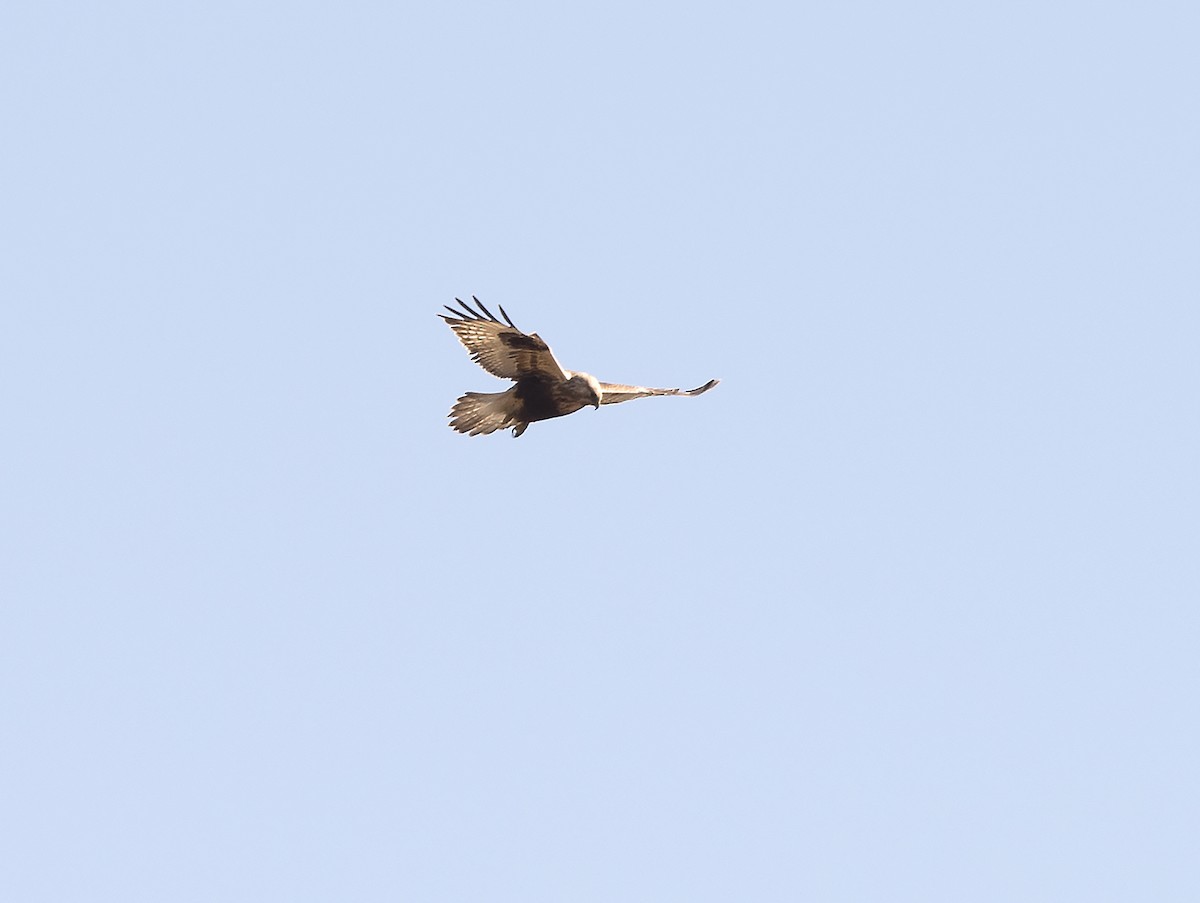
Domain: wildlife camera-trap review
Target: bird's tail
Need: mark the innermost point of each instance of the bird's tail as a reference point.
(478, 413)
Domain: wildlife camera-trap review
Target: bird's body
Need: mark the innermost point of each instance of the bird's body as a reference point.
(542, 388)
(532, 398)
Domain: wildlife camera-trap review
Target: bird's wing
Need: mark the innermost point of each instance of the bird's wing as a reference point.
(615, 393)
(500, 348)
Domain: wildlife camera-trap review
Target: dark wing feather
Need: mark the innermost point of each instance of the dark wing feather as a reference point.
(615, 393)
(500, 348)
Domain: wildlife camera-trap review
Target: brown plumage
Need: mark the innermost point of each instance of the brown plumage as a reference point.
(542, 390)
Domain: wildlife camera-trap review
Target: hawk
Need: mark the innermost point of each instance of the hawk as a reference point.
(543, 388)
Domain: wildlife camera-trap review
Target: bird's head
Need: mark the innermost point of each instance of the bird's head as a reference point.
(585, 388)
(595, 392)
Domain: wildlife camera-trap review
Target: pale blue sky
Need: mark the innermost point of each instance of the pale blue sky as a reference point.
(905, 610)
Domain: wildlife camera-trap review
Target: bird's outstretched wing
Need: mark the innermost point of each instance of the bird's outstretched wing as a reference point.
(615, 393)
(500, 348)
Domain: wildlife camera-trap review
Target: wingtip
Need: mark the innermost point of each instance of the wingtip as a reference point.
(479, 304)
(470, 313)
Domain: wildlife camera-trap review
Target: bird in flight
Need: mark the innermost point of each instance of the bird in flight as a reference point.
(543, 388)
